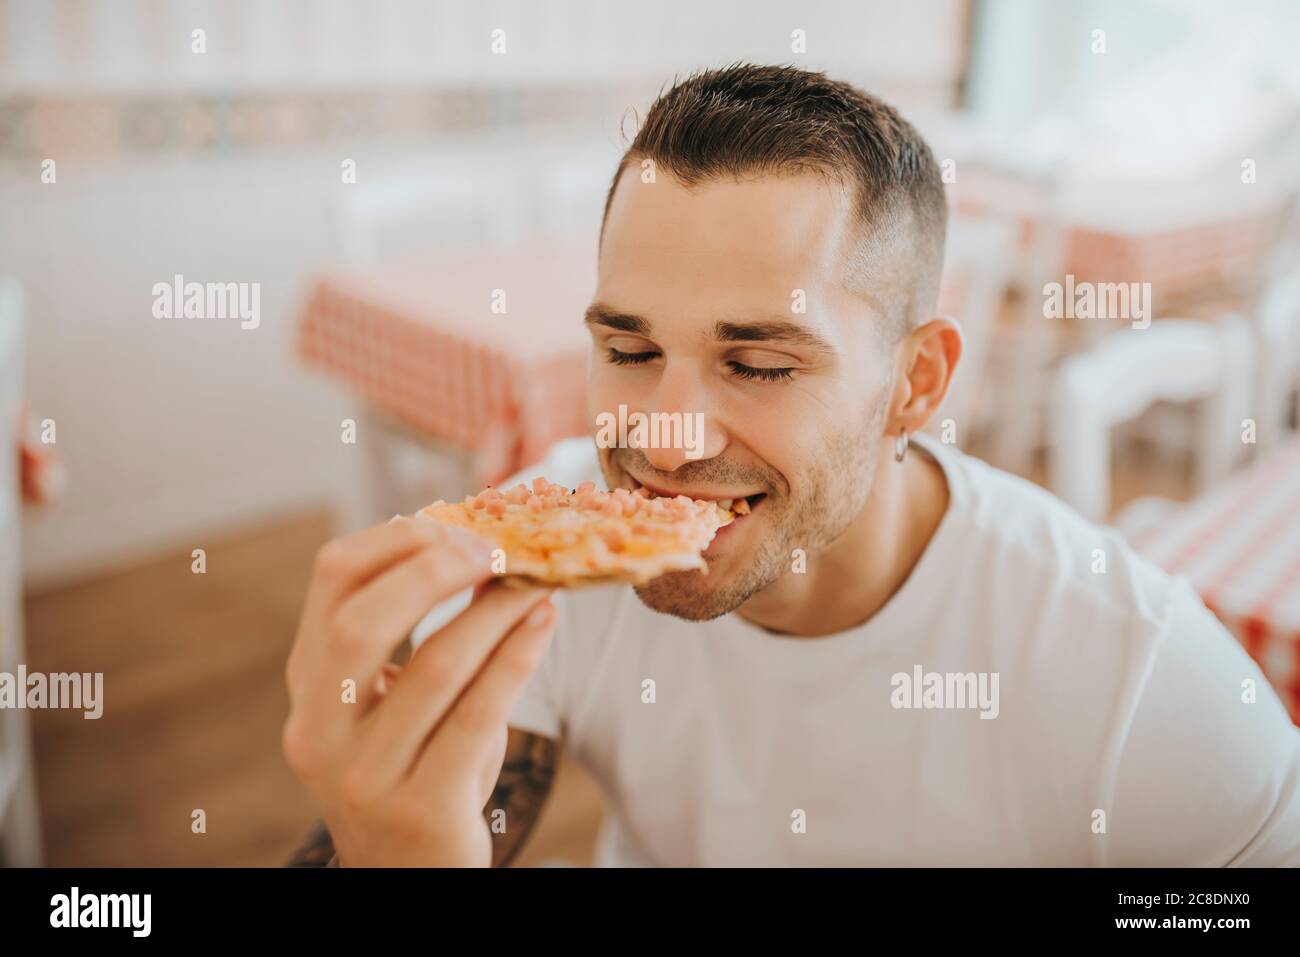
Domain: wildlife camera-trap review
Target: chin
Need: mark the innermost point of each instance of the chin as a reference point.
(698, 597)
(687, 595)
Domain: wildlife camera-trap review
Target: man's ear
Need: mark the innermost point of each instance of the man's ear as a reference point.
(927, 359)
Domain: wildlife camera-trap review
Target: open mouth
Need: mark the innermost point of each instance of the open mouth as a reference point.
(738, 505)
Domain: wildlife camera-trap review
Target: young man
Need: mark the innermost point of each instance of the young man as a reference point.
(897, 657)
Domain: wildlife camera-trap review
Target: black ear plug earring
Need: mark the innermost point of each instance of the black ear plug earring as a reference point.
(900, 445)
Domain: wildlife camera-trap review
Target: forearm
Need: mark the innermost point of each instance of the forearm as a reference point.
(521, 790)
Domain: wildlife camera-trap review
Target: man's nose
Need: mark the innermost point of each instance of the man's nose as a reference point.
(665, 459)
(688, 429)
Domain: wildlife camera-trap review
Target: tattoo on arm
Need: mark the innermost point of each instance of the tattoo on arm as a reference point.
(521, 790)
(316, 851)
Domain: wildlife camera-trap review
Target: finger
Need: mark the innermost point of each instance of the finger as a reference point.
(346, 563)
(330, 655)
(369, 625)
(470, 735)
(489, 772)
(438, 673)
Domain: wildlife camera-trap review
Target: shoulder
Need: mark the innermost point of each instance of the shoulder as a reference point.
(1140, 697)
(1053, 550)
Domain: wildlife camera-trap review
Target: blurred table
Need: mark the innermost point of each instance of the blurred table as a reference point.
(483, 350)
(1178, 261)
(1240, 546)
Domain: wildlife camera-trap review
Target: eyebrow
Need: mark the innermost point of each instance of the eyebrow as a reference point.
(599, 314)
(770, 330)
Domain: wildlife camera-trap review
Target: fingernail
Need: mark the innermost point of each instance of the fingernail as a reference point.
(393, 519)
(541, 615)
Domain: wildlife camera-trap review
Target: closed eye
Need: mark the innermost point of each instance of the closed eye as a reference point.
(630, 358)
(742, 371)
(738, 369)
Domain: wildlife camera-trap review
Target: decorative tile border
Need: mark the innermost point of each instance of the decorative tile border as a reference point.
(32, 128)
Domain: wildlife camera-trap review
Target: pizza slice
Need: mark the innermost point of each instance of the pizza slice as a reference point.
(561, 537)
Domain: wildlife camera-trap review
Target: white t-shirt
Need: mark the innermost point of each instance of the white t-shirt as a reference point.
(1114, 733)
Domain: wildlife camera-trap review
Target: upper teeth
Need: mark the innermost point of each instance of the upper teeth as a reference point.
(727, 503)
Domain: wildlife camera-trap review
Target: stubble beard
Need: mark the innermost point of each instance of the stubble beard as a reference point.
(836, 488)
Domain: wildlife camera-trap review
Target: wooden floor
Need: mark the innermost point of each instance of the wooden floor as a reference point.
(193, 706)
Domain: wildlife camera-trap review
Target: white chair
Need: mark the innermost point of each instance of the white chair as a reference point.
(20, 824)
(1125, 373)
(1277, 342)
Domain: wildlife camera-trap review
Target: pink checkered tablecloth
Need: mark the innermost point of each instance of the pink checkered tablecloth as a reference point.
(1239, 544)
(1177, 261)
(419, 340)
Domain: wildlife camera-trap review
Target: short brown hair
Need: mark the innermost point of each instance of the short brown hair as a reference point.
(746, 119)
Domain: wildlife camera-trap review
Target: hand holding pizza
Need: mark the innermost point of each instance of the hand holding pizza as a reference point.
(403, 763)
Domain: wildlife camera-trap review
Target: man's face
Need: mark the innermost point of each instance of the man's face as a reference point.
(727, 299)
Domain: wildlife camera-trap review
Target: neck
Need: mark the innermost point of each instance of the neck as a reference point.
(850, 580)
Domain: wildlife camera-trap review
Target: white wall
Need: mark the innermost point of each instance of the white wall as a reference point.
(110, 46)
(169, 428)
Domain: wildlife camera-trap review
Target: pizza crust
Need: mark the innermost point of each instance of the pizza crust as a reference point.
(555, 537)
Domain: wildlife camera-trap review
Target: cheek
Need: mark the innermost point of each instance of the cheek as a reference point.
(827, 465)
(789, 434)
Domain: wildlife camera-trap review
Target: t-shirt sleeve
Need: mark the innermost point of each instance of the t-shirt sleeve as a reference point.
(1209, 771)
